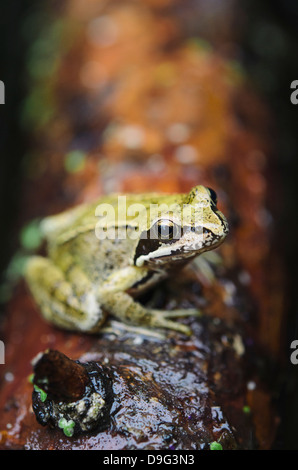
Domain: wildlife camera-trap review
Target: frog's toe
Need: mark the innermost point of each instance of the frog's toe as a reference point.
(171, 325)
(160, 319)
(189, 312)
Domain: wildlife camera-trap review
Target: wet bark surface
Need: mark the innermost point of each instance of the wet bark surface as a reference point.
(169, 391)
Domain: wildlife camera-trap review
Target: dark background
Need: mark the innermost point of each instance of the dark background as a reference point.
(271, 62)
(268, 40)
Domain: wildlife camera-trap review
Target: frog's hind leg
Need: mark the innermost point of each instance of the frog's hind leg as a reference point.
(61, 301)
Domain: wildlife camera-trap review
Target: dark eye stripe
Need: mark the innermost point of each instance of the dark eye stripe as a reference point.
(213, 195)
(150, 242)
(145, 246)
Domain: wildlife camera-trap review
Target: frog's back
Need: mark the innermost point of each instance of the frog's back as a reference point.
(72, 235)
(72, 240)
(80, 218)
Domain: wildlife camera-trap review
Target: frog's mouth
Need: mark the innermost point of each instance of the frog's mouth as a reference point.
(176, 258)
(176, 252)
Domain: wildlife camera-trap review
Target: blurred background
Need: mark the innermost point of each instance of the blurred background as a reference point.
(78, 77)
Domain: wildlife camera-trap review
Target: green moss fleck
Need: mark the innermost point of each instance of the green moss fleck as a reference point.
(42, 394)
(75, 161)
(215, 446)
(31, 235)
(67, 426)
(30, 378)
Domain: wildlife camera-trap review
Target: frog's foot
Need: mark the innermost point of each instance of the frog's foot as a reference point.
(161, 318)
(61, 301)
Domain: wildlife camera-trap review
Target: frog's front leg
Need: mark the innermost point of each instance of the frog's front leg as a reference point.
(122, 305)
(68, 303)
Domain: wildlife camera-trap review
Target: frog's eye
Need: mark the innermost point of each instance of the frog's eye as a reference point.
(213, 195)
(165, 230)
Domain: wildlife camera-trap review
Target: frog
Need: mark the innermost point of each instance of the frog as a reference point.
(103, 255)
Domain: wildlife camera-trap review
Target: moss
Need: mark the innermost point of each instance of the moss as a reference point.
(215, 446)
(75, 161)
(31, 236)
(67, 426)
(246, 409)
(42, 394)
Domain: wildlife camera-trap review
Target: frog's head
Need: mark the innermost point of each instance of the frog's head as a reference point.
(183, 228)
